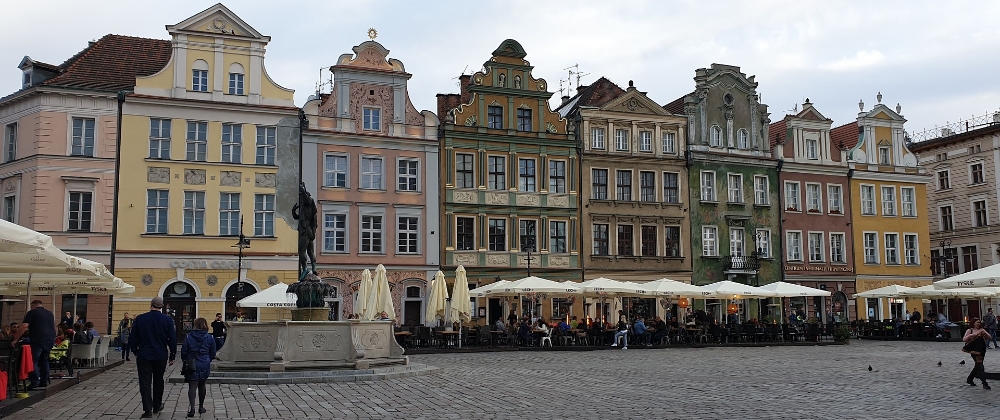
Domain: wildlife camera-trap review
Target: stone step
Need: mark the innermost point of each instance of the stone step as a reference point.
(316, 376)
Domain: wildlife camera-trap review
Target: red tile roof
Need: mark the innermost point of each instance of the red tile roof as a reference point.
(597, 94)
(676, 107)
(845, 136)
(777, 131)
(112, 63)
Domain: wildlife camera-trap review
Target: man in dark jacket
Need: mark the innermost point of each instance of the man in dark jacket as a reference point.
(40, 325)
(154, 342)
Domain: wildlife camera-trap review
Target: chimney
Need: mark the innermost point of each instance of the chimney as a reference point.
(565, 99)
(464, 81)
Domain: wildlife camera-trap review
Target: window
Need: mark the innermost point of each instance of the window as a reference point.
(623, 185)
(868, 199)
(835, 199)
(910, 248)
(709, 241)
(908, 197)
(671, 192)
(494, 115)
(888, 201)
(672, 241)
(197, 141)
(976, 173)
(557, 176)
(335, 233)
(464, 174)
(601, 239)
(465, 229)
(232, 143)
(156, 211)
(735, 188)
(815, 247)
(528, 236)
(792, 196)
(524, 119)
(371, 234)
(970, 258)
(526, 175)
(335, 171)
(407, 234)
(10, 142)
(736, 236)
(266, 145)
(199, 80)
(742, 139)
(763, 243)
(83, 137)
(647, 186)
(975, 149)
(715, 136)
(194, 212)
(371, 173)
(229, 214)
(497, 173)
(947, 223)
(668, 143)
(597, 138)
(883, 156)
(645, 141)
(707, 186)
(599, 184)
(812, 149)
(814, 198)
(892, 248)
(10, 208)
(625, 240)
(159, 138)
(235, 84)
(979, 213)
(941, 157)
(794, 246)
(761, 190)
(647, 241)
(944, 180)
(80, 209)
(557, 237)
(263, 214)
(837, 248)
(498, 235)
(621, 139)
(372, 119)
(407, 175)
(871, 247)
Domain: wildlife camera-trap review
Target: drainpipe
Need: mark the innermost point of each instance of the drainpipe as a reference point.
(579, 198)
(114, 210)
(781, 230)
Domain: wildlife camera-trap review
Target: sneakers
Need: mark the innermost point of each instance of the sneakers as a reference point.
(146, 415)
(624, 347)
(615, 344)
(986, 385)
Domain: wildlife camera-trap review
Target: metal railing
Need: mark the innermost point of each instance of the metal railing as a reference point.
(950, 129)
(742, 263)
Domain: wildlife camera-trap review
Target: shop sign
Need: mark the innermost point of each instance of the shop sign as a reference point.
(207, 264)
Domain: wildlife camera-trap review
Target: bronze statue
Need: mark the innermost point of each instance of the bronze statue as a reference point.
(305, 212)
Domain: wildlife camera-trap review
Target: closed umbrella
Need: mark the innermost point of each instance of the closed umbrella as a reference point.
(461, 306)
(383, 297)
(437, 300)
(364, 290)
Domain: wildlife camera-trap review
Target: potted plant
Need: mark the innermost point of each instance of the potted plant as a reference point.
(841, 334)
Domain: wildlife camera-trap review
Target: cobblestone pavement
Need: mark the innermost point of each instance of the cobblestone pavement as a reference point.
(774, 382)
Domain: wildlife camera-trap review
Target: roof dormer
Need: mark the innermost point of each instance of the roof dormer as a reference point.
(34, 72)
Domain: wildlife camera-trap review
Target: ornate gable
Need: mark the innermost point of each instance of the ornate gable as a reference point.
(371, 55)
(217, 20)
(634, 102)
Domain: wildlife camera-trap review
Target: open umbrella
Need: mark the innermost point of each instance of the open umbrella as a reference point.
(437, 300)
(383, 297)
(782, 289)
(364, 290)
(984, 277)
(889, 291)
(673, 288)
(276, 296)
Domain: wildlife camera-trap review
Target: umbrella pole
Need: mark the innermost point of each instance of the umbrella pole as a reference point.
(74, 305)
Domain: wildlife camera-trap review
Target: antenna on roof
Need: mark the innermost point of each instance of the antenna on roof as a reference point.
(320, 84)
(458, 78)
(574, 72)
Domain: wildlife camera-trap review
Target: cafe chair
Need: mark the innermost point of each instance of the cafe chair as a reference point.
(546, 338)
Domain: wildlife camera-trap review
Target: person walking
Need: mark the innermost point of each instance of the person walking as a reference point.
(154, 342)
(219, 331)
(975, 344)
(200, 347)
(40, 325)
(990, 324)
(124, 330)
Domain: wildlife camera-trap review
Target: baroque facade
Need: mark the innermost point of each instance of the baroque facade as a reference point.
(372, 160)
(510, 179)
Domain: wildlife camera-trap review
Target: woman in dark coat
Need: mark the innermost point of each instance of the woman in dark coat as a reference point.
(200, 346)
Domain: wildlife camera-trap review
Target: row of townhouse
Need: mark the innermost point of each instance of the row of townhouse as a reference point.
(608, 184)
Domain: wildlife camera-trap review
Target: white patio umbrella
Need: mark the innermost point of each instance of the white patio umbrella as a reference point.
(532, 286)
(365, 289)
(733, 290)
(889, 291)
(984, 277)
(437, 300)
(929, 291)
(276, 296)
(461, 305)
(383, 296)
(482, 291)
(782, 289)
(673, 288)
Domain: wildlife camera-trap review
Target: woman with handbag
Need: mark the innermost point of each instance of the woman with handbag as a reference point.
(197, 353)
(975, 344)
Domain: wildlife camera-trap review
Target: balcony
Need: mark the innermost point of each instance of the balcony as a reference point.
(746, 265)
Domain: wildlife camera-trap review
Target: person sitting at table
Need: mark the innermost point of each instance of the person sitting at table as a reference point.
(915, 316)
(524, 332)
(641, 332)
(661, 329)
(500, 326)
(512, 319)
(564, 326)
(623, 333)
(80, 335)
(573, 323)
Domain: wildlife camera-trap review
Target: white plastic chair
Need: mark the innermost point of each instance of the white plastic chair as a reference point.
(85, 352)
(547, 338)
(103, 349)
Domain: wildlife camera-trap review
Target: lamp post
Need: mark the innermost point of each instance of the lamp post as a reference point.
(941, 261)
(244, 243)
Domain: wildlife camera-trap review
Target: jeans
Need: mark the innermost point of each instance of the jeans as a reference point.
(151, 382)
(40, 360)
(646, 335)
(624, 335)
(219, 341)
(993, 333)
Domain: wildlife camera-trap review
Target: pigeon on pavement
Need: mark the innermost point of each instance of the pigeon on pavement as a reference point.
(939, 363)
(869, 368)
(962, 362)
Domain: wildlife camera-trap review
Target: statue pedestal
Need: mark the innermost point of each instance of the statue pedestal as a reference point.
(310, 314)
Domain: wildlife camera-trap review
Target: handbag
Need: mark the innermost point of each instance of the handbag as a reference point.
(189, 365)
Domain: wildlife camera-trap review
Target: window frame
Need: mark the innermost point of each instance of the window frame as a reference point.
(812, 149)
(715, 136)
(407, 236)
(835, 202)
(950, 215)
(10, 142)
(84, 217)
(527, 175)
(888, 201)
(645, 141)
(907, 250)
(522, 233)
(197, 146)
(943, 179)
(648, 233)
(191, 208)
(199, 80)
(884, 158)
(161, 139)
(974, 174)
(868, 206)
(761, 197)
(819, 251)
(494, 120)
(236, 83)
(233, 140)
(465, 177)
(672, 242)
(266, 151)
(872, 257)
(263, 215)
(161, 209)
(496, 180)
(557, 176)
(330, 174)
(984, 221)
(709, 241)
(668, 139)
(598, 138)
(558, 241)
(331, 234)
(599, 191)
(789, 207)
(794, 249)
(85, 143)
(371, 118)
(524, 120)
(465, 236)
(492, 244)
(817, 200)
(232, 224)
(837, 253)
(671, 191)
(601, 239)
(624, 240)
(903, 202)
(622, 139)
(710, 189)
(734, 195)
(412, 180)
(647, 192)
(737, 242)
(621, 193)
(762, 237)
(375, 235)
(742, 139)
(891, 253)
(368, 177)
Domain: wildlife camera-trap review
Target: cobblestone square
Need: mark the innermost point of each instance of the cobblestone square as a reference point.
(770, 382)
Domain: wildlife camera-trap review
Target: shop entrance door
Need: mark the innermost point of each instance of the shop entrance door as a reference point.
(179, 304)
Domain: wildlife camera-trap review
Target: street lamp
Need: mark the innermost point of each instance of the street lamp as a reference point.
(944, 258)
(528, 243)
(244, 243)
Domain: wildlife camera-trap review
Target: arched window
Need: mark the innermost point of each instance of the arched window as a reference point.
(234, 293)
(715, 136)
(179, 303)
(743, 139)
(199, 76)
(334, 299)
(236, 79)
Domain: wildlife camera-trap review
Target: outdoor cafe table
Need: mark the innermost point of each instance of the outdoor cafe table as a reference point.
(402, 335)
(449, 336)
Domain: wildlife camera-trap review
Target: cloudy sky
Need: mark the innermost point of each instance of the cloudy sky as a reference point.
(938, 59)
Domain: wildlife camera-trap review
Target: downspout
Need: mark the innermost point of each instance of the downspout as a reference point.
(579, 198)
(781, 229)
(114, 210)
(687, 166)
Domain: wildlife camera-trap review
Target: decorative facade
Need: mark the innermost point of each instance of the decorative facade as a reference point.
(209, 151)
(888, 213)
(372, 160)
(815, 213)
(510, 179)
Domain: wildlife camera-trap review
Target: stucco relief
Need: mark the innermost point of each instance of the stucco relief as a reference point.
(558, 261)
(466, 259)
(158, 175)
(329, 106)
(194, 176)
(496, 198)
(363, 95)
(264, 180)
(559, 201)
(527, 200)
(9, 186)
(413, 117)
(465, 197)
(230, 178)
(498, 259)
